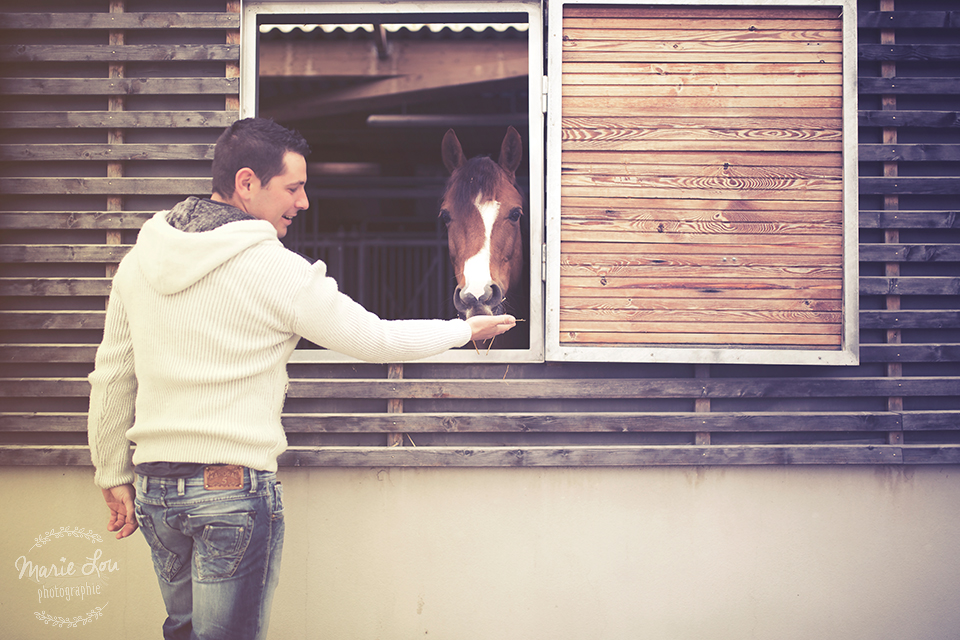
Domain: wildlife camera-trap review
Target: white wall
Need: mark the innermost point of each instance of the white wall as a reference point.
(463, 554)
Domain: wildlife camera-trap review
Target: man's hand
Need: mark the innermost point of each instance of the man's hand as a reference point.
(122, 517)
(486, 327)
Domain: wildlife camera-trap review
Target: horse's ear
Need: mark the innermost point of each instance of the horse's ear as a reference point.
(511, 151)
(452, 151)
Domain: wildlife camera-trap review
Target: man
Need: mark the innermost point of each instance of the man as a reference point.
(203, 315)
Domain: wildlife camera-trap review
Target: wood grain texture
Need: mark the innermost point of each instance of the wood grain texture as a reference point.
(701, 184)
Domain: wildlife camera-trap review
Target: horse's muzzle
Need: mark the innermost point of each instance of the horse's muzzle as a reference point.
(489, 304)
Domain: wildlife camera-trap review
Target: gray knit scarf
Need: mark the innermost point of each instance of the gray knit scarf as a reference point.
(195, 215)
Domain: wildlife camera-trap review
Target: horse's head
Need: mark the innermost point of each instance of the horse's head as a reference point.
(482, 208)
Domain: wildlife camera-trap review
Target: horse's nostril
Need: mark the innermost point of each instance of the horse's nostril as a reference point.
(463, 301)
(492, 296)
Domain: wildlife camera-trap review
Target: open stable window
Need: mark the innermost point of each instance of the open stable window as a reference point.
(374, 87)
(702, 182)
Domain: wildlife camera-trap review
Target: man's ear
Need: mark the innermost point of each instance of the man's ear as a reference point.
(243, 183)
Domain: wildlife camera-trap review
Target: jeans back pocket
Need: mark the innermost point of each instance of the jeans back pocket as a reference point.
(221, 539)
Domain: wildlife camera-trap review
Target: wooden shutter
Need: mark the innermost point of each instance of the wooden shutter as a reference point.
(704, 158)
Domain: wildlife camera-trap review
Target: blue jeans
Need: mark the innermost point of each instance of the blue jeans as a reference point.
(216, 553)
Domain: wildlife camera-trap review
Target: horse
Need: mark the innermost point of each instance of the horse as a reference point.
(482, 208)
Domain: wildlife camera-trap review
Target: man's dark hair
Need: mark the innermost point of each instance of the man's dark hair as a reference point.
(255, 143)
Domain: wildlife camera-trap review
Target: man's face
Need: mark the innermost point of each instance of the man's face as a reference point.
(283, 196)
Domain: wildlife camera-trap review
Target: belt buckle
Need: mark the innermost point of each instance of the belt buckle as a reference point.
(222, 477)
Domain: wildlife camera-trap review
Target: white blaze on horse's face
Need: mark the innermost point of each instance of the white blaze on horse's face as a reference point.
(477, 279)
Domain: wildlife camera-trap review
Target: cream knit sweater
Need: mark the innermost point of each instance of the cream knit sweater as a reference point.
(199, 329)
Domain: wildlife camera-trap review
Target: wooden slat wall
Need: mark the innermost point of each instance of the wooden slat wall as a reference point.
(701, 199)
(66, 226)
(109, 114)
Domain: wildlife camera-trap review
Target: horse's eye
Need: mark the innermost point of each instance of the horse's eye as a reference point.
(445, 216)
(515, 214)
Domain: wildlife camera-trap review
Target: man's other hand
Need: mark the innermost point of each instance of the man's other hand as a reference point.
(123, 520)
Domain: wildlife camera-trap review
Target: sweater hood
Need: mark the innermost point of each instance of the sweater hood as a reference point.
(172, 259)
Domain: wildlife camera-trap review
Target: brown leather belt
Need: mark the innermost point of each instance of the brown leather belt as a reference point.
(220, 477)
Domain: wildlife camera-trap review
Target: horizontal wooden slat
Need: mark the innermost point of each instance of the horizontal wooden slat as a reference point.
(107, 253)
(107, 186)
(918, 286)
(583, 422)
(583, 130)
(910, 319)
(706, 337)
(666, 72)
(635, 224)
(623, 85)
(630, 36)
(909, 86)
(615, 20)
(902, 352)
(728, 161)
(635, 30)
(120, 86)
(787, 189)
(704, 55)
(105, 152)
(569, 422)
(827, 387)
(74, 219)
(908, 19)
(38, 422)
(893, 252)
(13, 352)
(688, 250)
(907, 52)
(753, 106)
(581, 456)
(635, 388)
(674, 141)
(909, 152)
(557, 422)
(588, 456)
(706, 78)
(758, 243)
(679, 252)
(679, 16)
(673, 266)
(693, 300)
(904, 219)
(909, 185)
(931, 420)
(931, 119)
(54, 286)
(635, 108)
(69, 455)
(119, 53)
(42, 320)
(733, 290)
(164, 20)
(931, 454)
(116, 119)
(646, 325)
